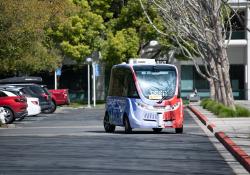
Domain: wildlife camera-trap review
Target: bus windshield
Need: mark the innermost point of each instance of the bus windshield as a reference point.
(156, 82)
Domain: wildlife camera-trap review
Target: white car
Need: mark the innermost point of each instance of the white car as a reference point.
(33, 106)
(33, 102)
(2, 115)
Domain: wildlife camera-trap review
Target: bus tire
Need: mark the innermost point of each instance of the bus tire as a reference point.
(107, 126)
(179, 130)
(157, 130)
(128, 129)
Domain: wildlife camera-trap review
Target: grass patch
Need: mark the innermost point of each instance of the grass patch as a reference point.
(80, 103)
(75, 105)
(223, 111)
(186, 102)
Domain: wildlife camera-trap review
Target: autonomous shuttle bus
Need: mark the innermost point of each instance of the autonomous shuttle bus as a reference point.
(143, 94)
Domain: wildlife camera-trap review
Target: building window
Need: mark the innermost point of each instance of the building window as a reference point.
(238, 26)
(191, 80)
(237, 76)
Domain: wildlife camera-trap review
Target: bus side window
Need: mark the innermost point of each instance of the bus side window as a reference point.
(125, 85)
(132, 92)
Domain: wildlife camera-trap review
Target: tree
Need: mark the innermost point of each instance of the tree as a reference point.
(24, 46)
(121, 46)
(80, 34)
(128, 16)
(199, 29)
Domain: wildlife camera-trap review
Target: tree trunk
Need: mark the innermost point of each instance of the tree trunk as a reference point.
(212, 89)
(226, 77)
(218, 91)
(221, 89)
(222, 62)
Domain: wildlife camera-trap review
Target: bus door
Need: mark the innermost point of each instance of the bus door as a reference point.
(116, 108)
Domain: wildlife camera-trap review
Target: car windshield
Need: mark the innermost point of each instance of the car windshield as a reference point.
(156, 82)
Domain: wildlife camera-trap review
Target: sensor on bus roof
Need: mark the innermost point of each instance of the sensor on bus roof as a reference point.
(142, 61)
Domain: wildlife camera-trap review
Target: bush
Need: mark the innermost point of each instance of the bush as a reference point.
(210, 105)
(242, 112)
(223, 111)
(204, 102)
(217, 108)
(226, 112)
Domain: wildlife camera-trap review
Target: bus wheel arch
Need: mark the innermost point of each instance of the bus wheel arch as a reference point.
(126, 123)
(107, 125)
(157, 130)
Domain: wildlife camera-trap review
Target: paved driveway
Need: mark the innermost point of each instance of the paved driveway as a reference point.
(74, 142)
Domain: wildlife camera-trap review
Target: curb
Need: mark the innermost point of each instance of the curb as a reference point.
(231, 146)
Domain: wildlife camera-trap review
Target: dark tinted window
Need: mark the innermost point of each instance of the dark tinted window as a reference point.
(27, 92)
(122, 83)
(2, 94)
(116, 82)
(37, 89)
(132, 91)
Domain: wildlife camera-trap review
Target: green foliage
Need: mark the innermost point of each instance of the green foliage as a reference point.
(121, 46)
(222, 111)
(132, 16)
(118, 29)
(128, 16)
(227, 112)
(102, 8)
(79, 35)
(205, 102)
(241, 111)
(35, 35)
(24, 46)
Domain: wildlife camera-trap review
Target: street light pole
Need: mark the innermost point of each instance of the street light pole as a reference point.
(94, 93)
(55, 77)
(89, 61)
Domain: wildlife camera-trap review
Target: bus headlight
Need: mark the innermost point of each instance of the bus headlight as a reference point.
(142, 105)
(175, 106)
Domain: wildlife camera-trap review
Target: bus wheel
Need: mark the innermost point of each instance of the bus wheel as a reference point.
(128, 129)
(157, 130)
(179, 130)
(107, 126)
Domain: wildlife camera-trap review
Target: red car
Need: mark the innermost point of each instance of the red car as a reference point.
(60, 96)
(14, 106)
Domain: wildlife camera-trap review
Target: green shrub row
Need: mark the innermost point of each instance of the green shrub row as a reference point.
(223, 111)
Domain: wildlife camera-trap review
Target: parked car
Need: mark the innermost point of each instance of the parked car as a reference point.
(45, 100)
(34, 90)
(33, 103)
(14, 106)
(2, 115)
(60, 96)
(48, 101)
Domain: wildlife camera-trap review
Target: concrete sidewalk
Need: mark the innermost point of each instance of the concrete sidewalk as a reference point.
(229, 130)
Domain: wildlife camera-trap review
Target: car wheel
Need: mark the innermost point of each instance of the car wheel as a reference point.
(107, 126)
(157, 130)
(179, 130)
(51, 109)
(128, 129)
(9, 116)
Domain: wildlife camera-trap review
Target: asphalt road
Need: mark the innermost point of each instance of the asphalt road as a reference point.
(73, 141)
